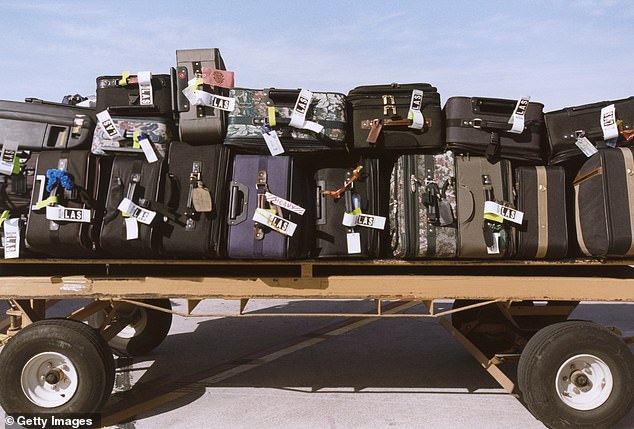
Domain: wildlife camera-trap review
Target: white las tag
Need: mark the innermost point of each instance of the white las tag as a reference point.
(131, 228)
(298, 117)
(274, 222)
(415, 113)
(586, 146)
(273, 142)
(223, 103)
(148, 150)
(349, 220)
(65, 214)
(608, 122)
(371, 221)
(279, 201)
(7, 157)
(517, 118)
(12, 238)
(495, 248)
(146, 97)
(139, 213)
(191, 96)
(354, 242)
(109, 126)
(507, 213)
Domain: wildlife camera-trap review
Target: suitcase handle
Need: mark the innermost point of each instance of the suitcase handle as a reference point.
(40, 180)
(282, 96)
(133, 110)
(320, 203)
(238, 202)
(493, 106)
(579, 109)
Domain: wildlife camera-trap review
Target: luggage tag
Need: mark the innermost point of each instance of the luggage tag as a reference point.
(215, 77)
(609, 126)
(281, 202)
(108, 125)
(272, 141)
(517, 118)
(276, 223)
(494, 249)
(298, 116)
(198, 97)
(64, 214)
(370, 221)
(498, 213)
(9, 162)
(353, 241)
(584, 144)
(11, 238)
(129, 208)
(131, 228)
(140, 140)
(201, 199)
(415, 113)
(146, 96)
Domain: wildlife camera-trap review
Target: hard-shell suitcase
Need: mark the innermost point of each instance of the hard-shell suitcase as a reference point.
(396, 116)
(604, 203)
(40, 125)
(199, 124)
(358, 193)
(196, 230)
(478, 181)
(257, 110)
(253, 177)
(124, 95)
(66, 209)
(541, 197)
(480, 126)
(566, 126)
(158, 131)
(132, 232)
(423, 206)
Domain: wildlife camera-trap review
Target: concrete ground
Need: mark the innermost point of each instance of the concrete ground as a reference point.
(318, 373)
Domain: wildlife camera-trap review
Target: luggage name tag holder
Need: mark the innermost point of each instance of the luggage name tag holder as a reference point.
(108, 125)
(298, 116)
(415, 113)
(9, 162)
(517, 118)
(272, 140)
(141, 140)
(216, 77)
(11, 238)
(353, 241)
(199, 196)
(609, 126)
(584, 144)
(146, 95)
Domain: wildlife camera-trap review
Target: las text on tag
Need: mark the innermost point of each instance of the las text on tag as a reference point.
(274, 222)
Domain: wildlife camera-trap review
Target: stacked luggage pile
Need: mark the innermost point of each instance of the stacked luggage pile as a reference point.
(185, 165)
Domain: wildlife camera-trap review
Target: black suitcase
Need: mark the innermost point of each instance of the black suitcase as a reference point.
(479, 126)
(362, 193)
(196, 230)
(254, 176)
(604, 196)
(39, 125)
(66, 208)
(15, 189)
(541, 196)
(199, 124)
(136, 180)
(566, 125)
(380, 116)
(125, 96)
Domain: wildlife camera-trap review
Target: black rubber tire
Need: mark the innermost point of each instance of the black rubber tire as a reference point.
(549, 349)
(80, 343)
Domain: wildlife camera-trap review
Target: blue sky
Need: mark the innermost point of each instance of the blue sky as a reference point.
(561, 53)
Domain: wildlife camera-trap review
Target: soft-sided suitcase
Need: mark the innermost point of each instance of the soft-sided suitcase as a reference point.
(158, 131)
(253, 177)
(132, 235)
(480, 126)
(423, 206)
(199, 124)
(273, 109)
(478, 181)
(197, 224)
(66, 209)
(122, 95)
(40, 125)
(566, 125)
(396, 116)
(541, 197)
(604, 203)
(359, 193)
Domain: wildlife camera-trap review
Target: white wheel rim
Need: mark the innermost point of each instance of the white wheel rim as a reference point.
(61, 375)
(584, 382)
(135, 328)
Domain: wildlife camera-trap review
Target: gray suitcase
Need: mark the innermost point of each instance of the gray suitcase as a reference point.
(199, 124)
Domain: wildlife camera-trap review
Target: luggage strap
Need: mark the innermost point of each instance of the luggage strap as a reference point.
(542, 212)
(352, 177)
(376, 125)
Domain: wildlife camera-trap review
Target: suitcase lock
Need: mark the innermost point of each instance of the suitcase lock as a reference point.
(389, 104)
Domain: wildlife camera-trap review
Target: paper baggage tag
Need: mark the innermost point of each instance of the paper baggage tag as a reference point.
(65, 214)
(586, 146)
(495, 248)
(148, 150)
(201, 199)
(298, 117)
(274, 222)
(371, 221)
(285, 204)
(608, 122)
(507, 213)
(353, 240)
(133, 210)
(415, 113)
(131, 228)
(8, 158)
(517, 118)
(198, 97)
(215, 77)
(146, 96)
(349, 220)
(272, 141)
(223, 103)
(12, 238)
(108, 125)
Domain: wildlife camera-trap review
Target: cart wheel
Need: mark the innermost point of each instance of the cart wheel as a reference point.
(56, 366)
(147, 329)
(489, 330)
(577, 374)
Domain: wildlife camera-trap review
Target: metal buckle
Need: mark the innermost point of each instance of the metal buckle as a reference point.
(476, 123)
